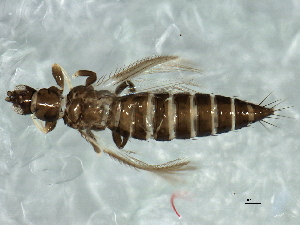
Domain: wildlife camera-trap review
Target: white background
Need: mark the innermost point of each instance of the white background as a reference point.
(246, 49)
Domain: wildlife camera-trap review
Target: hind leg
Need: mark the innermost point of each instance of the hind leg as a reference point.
(120, 140)
(124, 85)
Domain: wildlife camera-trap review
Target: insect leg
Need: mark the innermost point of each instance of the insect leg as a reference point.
(92, 76)
(120, 140)
(61, 76)
(121, 87)
(49, 126)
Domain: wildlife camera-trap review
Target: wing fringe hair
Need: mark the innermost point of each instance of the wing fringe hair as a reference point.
(149, 65)
(180, 164)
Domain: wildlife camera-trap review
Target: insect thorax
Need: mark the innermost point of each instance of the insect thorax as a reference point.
(87, 108)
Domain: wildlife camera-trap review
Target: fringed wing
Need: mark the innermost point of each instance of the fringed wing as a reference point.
(180, 164)
(148, 65)
(124, 157)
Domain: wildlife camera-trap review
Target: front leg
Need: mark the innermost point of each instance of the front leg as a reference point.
(121, 87)
(92, 76)
(61, 76)
(45, 128)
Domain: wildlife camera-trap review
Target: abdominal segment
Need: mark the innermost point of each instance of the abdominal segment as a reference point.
(166, 116)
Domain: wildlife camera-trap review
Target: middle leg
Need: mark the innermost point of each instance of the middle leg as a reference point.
(92, 76)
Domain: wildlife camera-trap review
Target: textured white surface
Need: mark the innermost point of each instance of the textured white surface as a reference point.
(246, 48)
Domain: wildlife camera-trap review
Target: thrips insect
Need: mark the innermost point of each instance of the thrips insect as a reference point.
(159, 114)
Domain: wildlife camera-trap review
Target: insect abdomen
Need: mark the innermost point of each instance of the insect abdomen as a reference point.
(164, 116)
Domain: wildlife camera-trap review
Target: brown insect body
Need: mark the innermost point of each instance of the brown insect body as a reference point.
(162, 116)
